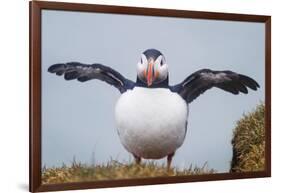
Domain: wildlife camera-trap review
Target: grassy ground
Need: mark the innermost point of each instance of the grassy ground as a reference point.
(249, 142)
(114, 170)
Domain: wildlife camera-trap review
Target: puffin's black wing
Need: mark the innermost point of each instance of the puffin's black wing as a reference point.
(202, 80)
(85, 72)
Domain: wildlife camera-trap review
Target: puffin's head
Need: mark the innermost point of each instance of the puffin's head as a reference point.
(152, 68)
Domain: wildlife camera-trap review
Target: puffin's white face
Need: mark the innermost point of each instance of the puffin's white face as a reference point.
(152, 71)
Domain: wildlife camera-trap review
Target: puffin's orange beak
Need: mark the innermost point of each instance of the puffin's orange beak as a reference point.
(150, 73)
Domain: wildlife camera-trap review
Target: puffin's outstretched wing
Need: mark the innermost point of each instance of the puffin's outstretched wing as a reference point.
(202, 80)
(85, 72)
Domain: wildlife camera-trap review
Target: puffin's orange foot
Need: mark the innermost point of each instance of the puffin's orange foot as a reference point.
(137, 159)
(169, 160)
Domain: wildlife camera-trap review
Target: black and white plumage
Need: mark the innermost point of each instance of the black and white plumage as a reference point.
(202, 80)
(151, 115)
(85, 72)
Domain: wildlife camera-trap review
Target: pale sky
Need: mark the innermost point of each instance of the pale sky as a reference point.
(78, 118)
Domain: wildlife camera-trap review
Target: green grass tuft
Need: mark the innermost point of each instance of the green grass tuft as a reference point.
(114, 170)
(249, 142)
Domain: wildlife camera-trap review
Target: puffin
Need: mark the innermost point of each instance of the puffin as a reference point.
(151, 116)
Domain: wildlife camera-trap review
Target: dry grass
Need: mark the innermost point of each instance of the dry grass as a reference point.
(249, 142)
(114, 170)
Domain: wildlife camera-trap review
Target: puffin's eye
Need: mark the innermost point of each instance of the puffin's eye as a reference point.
(162, 62)
(141, 60)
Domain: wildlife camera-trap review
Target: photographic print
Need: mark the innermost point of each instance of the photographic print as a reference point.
(142, 97)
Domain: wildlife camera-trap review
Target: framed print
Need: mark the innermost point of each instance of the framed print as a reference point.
(123, 96)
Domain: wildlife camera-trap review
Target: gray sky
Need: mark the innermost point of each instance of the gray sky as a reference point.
(78, 118)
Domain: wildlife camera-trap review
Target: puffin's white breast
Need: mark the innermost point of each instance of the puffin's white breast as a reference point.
(151, 123)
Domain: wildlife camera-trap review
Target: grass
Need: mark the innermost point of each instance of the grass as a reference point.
(113, 170)
(249, 142)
